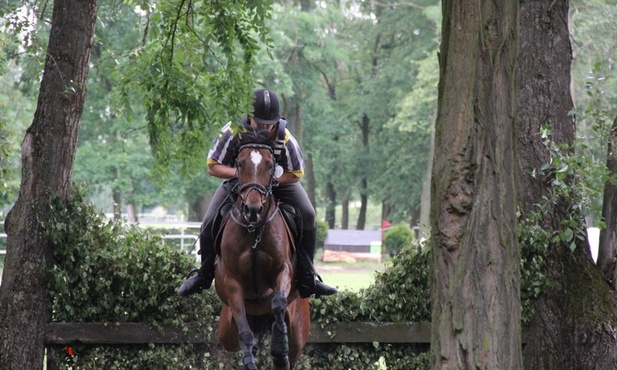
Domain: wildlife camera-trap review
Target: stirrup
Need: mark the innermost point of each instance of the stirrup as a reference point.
(193, 284)
(195, 271)
(307, 291)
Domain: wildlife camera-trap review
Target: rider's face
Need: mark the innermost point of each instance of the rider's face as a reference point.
(260, 126)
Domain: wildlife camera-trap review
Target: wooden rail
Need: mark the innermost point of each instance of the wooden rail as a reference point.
(138, 333)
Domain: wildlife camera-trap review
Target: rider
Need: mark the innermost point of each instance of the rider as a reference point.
(221, 161)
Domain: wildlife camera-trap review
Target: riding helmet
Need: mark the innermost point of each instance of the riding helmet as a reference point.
(266, 109)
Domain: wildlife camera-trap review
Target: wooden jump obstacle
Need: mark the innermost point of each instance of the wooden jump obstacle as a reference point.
(138, 333)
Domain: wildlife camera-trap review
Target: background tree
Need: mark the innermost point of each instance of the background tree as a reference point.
(607, 253)
(48, 150)
(476, 271)
(575, 316)
(113, 156)
(17, 104)
(595, 91)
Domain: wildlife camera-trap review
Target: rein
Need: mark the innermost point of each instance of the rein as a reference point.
(258, 230)
(239, 218)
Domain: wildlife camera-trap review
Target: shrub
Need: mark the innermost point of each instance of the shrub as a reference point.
(322, 231)
(397, 238)
(400, 294)
(109, 272)
(106, 271)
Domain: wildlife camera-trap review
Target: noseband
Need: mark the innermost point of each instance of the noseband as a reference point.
(263, 191)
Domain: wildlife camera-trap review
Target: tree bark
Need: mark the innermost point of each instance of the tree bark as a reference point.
(574, 320)
(476, 270)
(48, 151)
(607, 251)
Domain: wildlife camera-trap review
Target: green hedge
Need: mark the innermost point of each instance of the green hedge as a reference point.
(109, 272)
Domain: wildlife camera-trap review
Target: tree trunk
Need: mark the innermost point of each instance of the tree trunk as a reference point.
(361, 224)
(476, 270)
(309, 177)
(365, 127)
(425, 203)
(385, 210)
(574, 320)
(345, 212)
(131, 213)
(607, 251)
(198, 208)
(48, 151)
(414, 216)
(117, 199)
(330, 205)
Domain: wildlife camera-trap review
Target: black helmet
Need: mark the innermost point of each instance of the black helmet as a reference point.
(266, 109)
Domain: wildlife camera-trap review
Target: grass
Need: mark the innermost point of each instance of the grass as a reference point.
(348, 276)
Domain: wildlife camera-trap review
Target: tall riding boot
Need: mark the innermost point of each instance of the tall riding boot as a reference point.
(202, 278)
(309, 282)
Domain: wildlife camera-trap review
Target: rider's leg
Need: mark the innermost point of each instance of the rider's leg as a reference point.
(309, 282)
(202, 279)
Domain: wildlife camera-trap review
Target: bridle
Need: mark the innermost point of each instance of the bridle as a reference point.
(243, 191)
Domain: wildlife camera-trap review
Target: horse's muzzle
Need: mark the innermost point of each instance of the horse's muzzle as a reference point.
(252, 213)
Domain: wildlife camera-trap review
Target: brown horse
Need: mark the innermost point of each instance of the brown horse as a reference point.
(254, 273)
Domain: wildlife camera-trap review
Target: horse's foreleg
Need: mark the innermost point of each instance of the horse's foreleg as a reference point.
(299, 315)
(279, 348)
(246, 338)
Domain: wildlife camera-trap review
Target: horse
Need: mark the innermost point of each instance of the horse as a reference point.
(254, 273)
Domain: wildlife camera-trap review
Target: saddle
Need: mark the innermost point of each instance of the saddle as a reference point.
(291, 215)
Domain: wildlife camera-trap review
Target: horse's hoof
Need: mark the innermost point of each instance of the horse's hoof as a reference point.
(280, 363)
(249, 363)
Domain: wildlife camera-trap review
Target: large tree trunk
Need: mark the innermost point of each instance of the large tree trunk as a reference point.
(607, 251)
(476, 270)
(48, 151)
(574, 320)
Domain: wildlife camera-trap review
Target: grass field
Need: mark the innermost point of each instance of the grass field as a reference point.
(343, 276)
(348, 276)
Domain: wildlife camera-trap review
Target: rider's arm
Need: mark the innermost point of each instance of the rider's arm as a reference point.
(220, 156)
(287, 178)
(291, 160)
(222, 171)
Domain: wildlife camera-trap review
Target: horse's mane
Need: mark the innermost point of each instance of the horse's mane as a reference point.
(252, 136)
